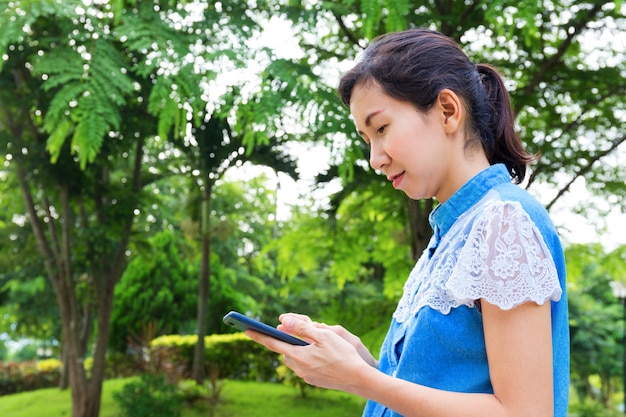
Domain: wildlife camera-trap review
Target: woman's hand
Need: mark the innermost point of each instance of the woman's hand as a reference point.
(354, 340)
(332, 359)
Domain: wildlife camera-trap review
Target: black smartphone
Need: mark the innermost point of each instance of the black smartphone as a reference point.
(242, 322)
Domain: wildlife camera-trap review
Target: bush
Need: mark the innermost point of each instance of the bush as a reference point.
(26, 376)
(150, 396)
(49, 365)
(233, 356)
(118, 365)
(226, 355)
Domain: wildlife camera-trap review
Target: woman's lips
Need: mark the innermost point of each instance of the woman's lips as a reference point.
(396, 179)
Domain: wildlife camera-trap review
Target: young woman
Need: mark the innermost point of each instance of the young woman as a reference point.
(482, 328)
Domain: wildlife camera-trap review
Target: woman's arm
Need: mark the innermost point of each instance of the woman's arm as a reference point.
(519, 351)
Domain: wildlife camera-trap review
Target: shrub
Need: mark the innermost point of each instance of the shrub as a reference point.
(25, 376)
(226, 355)
(118, 365)
(49, 365)
(150, 396)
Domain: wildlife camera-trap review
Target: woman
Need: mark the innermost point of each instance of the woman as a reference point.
(481, 328)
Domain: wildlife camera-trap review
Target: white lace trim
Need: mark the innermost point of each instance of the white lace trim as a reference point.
(495, 252)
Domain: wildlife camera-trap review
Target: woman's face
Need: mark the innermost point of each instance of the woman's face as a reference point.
(411, 148)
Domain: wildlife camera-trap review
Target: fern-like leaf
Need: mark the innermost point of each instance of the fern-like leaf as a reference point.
(17, 16)
(94, 123)
(398, 11)
(92, 90)
(371, 11)
(57, 138)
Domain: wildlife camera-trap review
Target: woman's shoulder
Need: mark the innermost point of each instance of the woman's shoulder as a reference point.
(511, 200)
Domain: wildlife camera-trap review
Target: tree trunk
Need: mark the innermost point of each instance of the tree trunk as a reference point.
(197, 370)
(419, 226)
(64, 378)
(105, 307)
(53, 235)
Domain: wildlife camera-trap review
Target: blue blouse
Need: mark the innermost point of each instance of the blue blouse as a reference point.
(491, 240)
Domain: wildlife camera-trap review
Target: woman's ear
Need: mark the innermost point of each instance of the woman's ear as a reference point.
(451, 108)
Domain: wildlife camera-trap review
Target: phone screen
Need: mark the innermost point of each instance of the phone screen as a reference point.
(243, 322)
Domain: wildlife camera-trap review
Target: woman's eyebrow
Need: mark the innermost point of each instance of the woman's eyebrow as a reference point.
(368, 119)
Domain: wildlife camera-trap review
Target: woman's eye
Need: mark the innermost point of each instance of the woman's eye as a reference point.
(381, 130)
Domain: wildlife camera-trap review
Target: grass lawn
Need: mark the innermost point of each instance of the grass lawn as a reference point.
(238, 399)
(246, 399)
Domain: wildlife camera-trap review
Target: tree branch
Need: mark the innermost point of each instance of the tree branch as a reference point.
(118, 261)
(551, 62)
(17, 131)
(573, 125)
(66, 234)
(586, 169)
(347, 31)
(54, 247)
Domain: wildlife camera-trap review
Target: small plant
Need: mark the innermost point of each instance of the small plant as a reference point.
(150, 396)
(210, 391)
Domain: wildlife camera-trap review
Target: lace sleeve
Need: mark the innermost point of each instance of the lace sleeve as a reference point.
(505, 261)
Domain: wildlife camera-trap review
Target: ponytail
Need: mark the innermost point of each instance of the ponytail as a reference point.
(506, 146)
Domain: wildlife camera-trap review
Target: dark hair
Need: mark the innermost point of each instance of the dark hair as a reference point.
(416, 65)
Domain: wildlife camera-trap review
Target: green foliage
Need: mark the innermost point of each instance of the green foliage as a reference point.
(21, 14)
(150, 396)
(157, 286)
(4, 351)
(27, 300)
(95, 84)
(29, 310)
(371, 10)
(596, 322)
(27, 352)
(94, 67)
(366, 240)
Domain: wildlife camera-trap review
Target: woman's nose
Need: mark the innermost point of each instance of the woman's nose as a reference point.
(378, 156)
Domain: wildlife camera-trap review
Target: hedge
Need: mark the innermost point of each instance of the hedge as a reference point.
(29, 376)
(233, 356)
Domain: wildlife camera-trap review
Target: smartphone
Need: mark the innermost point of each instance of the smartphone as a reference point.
(243, 323)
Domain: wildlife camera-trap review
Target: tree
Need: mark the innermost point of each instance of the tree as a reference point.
(560, 59)
(219, 148)
(596, 320)
(166, 304)
(27, 303)
(88, 89)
